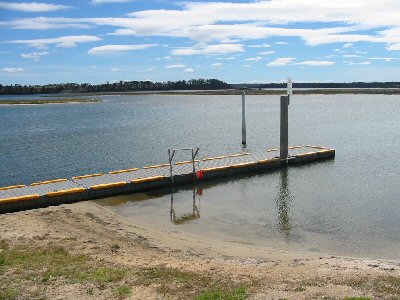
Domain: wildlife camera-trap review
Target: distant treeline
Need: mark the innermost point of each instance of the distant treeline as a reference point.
(121, 86)
(320, 85)
(192, 84)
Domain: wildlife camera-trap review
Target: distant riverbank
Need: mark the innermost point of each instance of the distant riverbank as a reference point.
(389, 91)
(283, 91)
(47, 101)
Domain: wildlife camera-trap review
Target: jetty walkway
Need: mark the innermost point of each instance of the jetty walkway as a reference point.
(94, 186)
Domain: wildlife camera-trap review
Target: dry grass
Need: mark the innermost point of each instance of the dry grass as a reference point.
(29, 272)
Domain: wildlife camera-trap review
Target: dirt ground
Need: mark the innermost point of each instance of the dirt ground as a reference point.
(108, 239)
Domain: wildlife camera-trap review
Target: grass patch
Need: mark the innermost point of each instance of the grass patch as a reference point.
(48, 101)
(188, 285)
(8, 294)
(379, 286)
(235, 294)
(382, 285)
(23, 268)
(123, 291)
(29, 270)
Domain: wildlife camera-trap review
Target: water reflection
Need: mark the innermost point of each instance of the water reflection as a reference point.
(284, 200)
(187, 217)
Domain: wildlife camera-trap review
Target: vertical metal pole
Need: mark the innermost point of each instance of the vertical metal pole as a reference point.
(194, 169)
(243, 118)
(284, 127)
(170, 166)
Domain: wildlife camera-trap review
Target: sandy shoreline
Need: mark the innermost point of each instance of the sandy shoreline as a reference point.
(90, 229)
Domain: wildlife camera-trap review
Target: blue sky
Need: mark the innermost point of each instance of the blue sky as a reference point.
(237, 41)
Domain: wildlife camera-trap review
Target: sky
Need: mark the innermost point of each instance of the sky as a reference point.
(94, 41)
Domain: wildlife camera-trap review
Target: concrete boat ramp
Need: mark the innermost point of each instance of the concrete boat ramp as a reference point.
(94, 186)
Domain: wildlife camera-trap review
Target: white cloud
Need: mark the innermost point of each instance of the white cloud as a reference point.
(215, 22)
(35, 55)
(64, 41)
(216, 64)
(209, 49)
(316, 63)
(43, 23)
(13, 70)
(32, 6)
(352, 63)
(282, 43)
(123, 32)
(177, 66)
(110, 49)
(351, 55)
(115, 70)
(348, 45)
(254, 58)
(280, 62)
(226, 58)
(260, 46)
(266, 52)
(394, 47)
(383, 58)
(189, 70)
(246, 66)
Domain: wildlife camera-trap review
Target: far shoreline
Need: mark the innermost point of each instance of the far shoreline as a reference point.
(228, 92)
(26, 102)
(222, 92)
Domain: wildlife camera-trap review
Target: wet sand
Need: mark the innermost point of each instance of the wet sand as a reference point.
(90, 229)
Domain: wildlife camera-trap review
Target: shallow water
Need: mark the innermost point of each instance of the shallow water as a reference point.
(346, 206)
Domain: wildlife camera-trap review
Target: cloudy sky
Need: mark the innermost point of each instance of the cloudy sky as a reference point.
(237, 41)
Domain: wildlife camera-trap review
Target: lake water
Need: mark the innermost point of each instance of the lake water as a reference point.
(346, 206)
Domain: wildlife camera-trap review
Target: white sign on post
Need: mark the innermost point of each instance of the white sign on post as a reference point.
(289, 85)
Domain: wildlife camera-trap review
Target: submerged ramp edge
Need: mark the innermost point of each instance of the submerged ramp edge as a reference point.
(94, 186)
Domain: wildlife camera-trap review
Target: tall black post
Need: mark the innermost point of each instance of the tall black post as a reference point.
(284, 127)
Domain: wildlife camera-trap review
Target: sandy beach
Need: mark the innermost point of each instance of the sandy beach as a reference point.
(108, 240)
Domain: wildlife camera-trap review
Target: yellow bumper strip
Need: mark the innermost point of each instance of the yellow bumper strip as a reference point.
(246, 164)
(326, 150)
(123, 171)
(306, 154)
(239, 154)
(47, 182)
(11, 187)
(65, 192)
(272, 150)
(212, 158)
(267, 161)
(186, 162)
(156, 166)
(107, 185)
(147, 179)
(87, 176)
(20, 198)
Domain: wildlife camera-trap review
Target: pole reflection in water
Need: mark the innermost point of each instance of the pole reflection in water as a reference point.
(187, 217)
(283, 203)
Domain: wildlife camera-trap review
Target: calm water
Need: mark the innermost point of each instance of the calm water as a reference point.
(346, 206)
